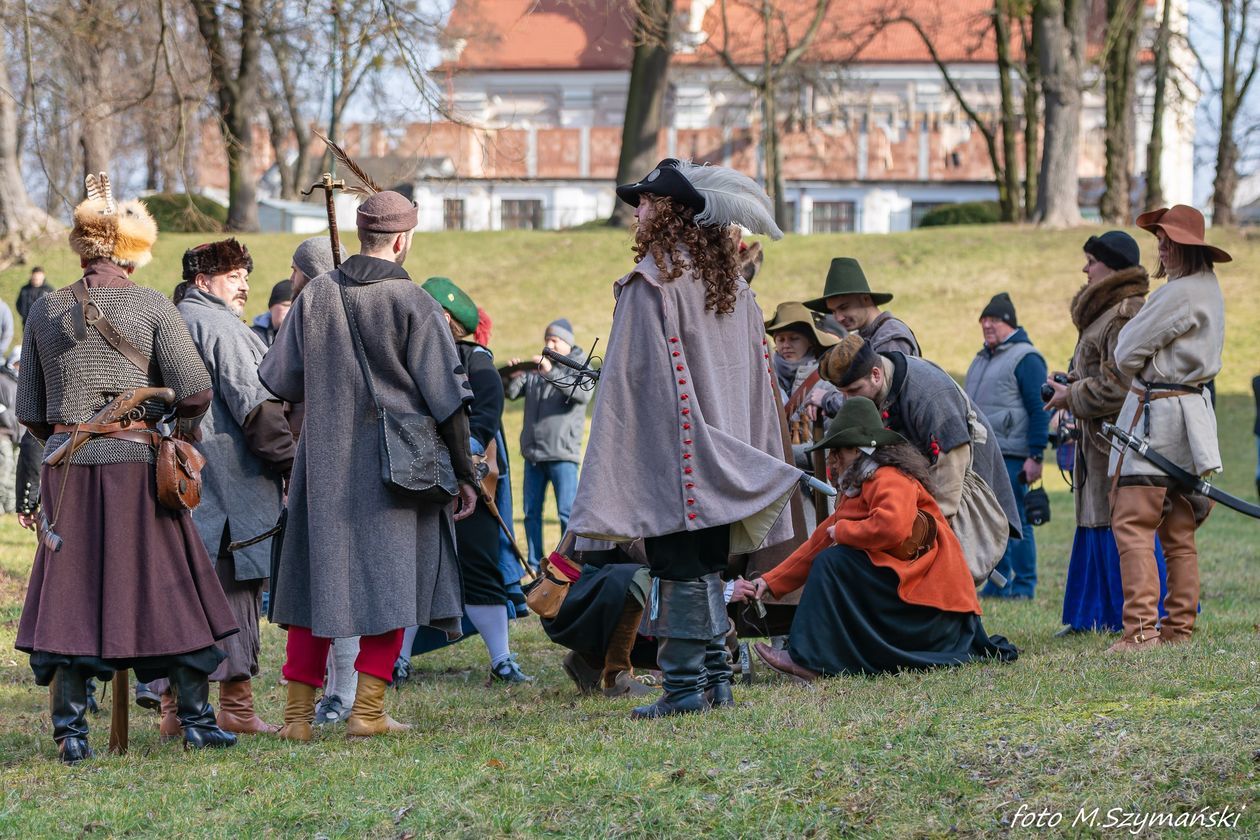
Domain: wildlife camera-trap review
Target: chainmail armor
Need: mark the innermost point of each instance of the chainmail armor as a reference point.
(67, 381)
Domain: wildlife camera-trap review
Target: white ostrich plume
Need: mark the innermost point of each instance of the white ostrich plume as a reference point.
(731, 198)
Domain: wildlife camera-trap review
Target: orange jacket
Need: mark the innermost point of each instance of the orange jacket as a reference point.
(880, 518)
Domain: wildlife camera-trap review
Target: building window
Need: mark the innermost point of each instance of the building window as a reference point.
(521, 214)
(453, 214)
(833, 217)
(919, 209)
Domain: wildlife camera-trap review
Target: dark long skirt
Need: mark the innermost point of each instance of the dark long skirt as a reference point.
(591, 610)
(1093, 598)
(131, 587)
(477, 544)
(851, 621)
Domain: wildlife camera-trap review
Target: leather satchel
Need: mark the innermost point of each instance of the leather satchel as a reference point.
(414, 459)
(546, 594)
(922, 538)
(179, 467)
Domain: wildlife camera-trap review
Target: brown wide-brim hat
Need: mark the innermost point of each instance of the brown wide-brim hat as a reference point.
(793, 315)
(1183, 225)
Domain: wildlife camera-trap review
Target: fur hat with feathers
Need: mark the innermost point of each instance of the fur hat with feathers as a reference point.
(216, 258)
(123, 233)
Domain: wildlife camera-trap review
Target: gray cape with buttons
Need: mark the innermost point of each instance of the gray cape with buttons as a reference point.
(357, 558)
(685, 433)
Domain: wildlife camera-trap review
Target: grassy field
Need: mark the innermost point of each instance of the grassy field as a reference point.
(956, 752)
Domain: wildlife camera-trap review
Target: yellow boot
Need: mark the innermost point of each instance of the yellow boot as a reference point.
(367, 716)
(299, 712)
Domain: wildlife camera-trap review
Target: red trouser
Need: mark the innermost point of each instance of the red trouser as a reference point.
(306, 655)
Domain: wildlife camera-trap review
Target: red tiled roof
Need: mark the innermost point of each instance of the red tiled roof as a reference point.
(598, 34)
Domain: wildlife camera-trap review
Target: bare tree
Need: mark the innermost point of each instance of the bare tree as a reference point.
(235, 72)
(1240, 57)
(1154, 197)
(20, 220)
(1003, 161)
(1060, 33)
(779, 51)
(1031, 75)
(1124, 20)
(645, 97)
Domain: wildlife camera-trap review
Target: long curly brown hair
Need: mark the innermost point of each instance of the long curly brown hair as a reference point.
(903, 456)
(710, 252)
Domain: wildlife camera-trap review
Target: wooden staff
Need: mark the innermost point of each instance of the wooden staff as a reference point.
(119, 715)
(328, 184)
(820, 472)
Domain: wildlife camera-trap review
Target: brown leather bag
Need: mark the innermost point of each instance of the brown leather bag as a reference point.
(179, 466)
(922, 538)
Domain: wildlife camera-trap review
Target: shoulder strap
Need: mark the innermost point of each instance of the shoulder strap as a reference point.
(357, 341)
(89, 313)
(799, 396)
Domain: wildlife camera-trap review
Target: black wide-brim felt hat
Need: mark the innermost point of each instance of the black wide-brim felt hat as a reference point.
(857, 424)
(665, 180)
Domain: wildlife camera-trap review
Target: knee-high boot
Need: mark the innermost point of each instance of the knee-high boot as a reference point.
(196, 715)
(618, 675)
(685, 617)
(1181, 557)
(68, 699)
(718, 672)
(1136, 513)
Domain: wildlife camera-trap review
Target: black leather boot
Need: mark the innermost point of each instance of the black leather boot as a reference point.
(682, 663)
(196, 715)
(68, 698)
(718, 673)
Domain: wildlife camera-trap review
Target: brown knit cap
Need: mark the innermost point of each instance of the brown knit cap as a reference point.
(850, 360)
(387, 212)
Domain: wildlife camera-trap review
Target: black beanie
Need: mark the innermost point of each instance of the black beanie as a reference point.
(1114, 249)
(282, 292)
(1002, 309)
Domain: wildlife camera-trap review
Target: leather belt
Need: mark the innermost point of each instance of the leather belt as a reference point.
(143, 432)
(1151, 391)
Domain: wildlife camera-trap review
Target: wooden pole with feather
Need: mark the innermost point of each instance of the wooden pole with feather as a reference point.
(329, 184)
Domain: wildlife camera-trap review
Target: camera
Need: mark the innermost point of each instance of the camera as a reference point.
(1047, 393)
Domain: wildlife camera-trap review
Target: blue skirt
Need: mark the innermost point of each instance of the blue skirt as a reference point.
(1094, 597)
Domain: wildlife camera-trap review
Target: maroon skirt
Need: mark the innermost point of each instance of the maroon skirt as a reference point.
(132, 579)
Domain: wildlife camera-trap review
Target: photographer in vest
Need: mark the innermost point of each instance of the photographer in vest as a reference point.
(1005, 380)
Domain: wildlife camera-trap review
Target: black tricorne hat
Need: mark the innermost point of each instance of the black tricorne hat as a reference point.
(665, 180)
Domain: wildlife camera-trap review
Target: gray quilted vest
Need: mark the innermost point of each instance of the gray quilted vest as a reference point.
(992, 386)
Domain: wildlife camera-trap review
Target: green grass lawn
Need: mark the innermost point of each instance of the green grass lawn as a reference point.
(915, 755)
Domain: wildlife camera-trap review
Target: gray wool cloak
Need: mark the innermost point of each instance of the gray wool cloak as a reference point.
(238, 488)
(357, 558)
(685, 433)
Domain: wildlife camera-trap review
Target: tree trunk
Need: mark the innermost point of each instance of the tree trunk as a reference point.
(1059, 31)
(1008, 197)
(1226, 182)
(645, 99)
(773, 154)
(1120, 72)
(1154, 198)
(1032, 126)
(278, 132)
(20, 221)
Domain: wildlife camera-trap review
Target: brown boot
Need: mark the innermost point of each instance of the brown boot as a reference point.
(1181, 557)
(168, 725)
(236, 710)
(617, 657)
(1136, 513)
(367, 716)
(299, 712)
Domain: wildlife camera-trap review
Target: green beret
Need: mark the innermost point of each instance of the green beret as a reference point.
(454, 300)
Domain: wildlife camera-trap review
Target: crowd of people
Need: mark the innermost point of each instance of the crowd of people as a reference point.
(810, 478)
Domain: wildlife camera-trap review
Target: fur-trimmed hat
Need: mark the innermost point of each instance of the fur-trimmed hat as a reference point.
(216, 258)
(104, 229)
(852, 359)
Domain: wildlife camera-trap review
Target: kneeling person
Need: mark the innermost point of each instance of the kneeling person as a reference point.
(886, 586)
